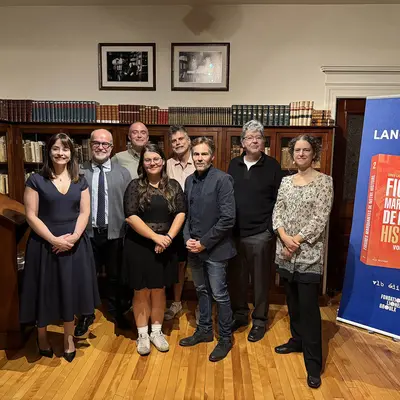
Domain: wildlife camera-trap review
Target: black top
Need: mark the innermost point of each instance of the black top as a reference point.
(157, 211)
(196, 204)
(256, 191)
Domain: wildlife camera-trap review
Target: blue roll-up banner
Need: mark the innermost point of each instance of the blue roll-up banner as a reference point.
(371, 291)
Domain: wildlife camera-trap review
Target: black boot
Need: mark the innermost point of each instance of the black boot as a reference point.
(221, 350)
(198, 337)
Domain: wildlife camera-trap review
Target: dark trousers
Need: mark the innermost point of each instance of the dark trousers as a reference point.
(108, 253)
(305, 322)
(254, 257)
(209, 278)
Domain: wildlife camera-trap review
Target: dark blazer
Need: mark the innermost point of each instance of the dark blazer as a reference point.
(218, 211)
(117, 181)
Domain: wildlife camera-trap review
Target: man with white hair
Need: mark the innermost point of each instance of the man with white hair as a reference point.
(257, 178)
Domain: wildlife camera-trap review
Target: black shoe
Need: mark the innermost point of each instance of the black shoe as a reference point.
(83, 324)
(256, 333)
(70, 356)
(198, 337)
(46, 352)
(313, 381)
(236, 324)
(289, 347)
(221, 350)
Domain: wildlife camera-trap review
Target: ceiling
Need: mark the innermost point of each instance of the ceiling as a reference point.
(180, 2)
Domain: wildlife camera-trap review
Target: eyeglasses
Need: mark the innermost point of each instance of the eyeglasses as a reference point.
(251, 138)
(106, 145)
(155, 160)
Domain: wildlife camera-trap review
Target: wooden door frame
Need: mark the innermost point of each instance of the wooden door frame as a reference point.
(344, 108)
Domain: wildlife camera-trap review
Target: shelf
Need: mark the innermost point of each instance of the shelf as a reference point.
(33, 163)
(4, 163)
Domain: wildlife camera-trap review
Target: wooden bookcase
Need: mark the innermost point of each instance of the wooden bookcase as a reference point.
(226, 139)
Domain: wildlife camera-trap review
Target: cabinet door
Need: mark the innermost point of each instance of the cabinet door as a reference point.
(284, 158)
(213, 133)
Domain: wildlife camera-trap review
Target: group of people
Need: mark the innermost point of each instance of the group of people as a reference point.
(145, 218)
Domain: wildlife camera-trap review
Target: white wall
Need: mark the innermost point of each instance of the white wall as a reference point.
(276, 51)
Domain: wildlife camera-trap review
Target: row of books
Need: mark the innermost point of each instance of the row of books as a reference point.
(130, 113)
(322, 118)
(268, 115)
(299, 113)
(200, 115)
(3, 149)
(4, 183)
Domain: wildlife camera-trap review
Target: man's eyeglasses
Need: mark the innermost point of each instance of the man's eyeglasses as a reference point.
(106, 145)
(251, 138)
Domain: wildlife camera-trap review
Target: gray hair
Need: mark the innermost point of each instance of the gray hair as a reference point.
(101, 130)
(252, 126)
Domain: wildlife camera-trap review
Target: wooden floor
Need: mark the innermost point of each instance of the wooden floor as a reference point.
(358, 366)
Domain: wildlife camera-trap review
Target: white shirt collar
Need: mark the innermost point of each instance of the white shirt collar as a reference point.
(106, 165)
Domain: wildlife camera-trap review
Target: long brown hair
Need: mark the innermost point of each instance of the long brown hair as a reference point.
(72, 166)
(165, 188)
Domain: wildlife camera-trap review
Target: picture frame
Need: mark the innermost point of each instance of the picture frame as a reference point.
(200, 66)
(127, 66)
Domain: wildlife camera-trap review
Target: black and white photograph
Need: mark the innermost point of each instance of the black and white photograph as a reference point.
(127, 66)
(200, 66)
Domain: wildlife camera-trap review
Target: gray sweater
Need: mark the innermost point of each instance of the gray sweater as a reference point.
(117, 181)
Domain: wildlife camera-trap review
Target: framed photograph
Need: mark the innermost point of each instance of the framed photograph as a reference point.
(127, 66)
(200, 66)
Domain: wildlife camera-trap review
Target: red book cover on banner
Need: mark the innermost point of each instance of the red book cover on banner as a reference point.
(381, 238)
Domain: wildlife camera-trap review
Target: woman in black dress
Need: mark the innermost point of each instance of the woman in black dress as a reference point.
(60, 277)
(155, 209)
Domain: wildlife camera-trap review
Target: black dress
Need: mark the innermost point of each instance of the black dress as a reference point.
(142, 266)
(57, 286)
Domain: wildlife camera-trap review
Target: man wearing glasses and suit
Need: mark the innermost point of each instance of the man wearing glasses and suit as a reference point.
(106, 227)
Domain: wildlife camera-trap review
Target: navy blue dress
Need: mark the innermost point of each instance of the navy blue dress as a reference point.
(57, 286)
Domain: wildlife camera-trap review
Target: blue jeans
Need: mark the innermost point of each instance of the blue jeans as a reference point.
(209, 278)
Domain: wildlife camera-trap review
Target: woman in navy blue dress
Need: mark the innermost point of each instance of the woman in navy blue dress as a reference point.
(60, 276)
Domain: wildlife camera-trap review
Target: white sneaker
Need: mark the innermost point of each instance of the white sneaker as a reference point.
(173, 311)
(143, 344)
(197, 314)
(159, 341)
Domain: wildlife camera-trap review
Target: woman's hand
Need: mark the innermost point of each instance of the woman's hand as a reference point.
(162, 240)
(286, 254)
(158, 249)
(72, 238)
(289, 242)
(60, 244)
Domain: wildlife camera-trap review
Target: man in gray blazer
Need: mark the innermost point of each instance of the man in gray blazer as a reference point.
(208, 237)
(106, 227)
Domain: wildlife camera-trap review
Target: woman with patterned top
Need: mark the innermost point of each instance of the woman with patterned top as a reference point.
(155, 210)
(300, 217)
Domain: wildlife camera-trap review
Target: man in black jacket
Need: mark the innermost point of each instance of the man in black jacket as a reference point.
(256, 182)
(208, 237)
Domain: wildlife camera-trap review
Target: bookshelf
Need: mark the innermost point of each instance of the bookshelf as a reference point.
(4, 160)
(226, 139)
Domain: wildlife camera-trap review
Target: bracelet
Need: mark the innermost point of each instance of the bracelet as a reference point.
(167, 234)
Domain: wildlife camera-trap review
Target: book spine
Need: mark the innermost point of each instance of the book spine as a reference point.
(369, 210)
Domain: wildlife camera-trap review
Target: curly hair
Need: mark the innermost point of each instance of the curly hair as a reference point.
(315, 144)
(167, 190)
